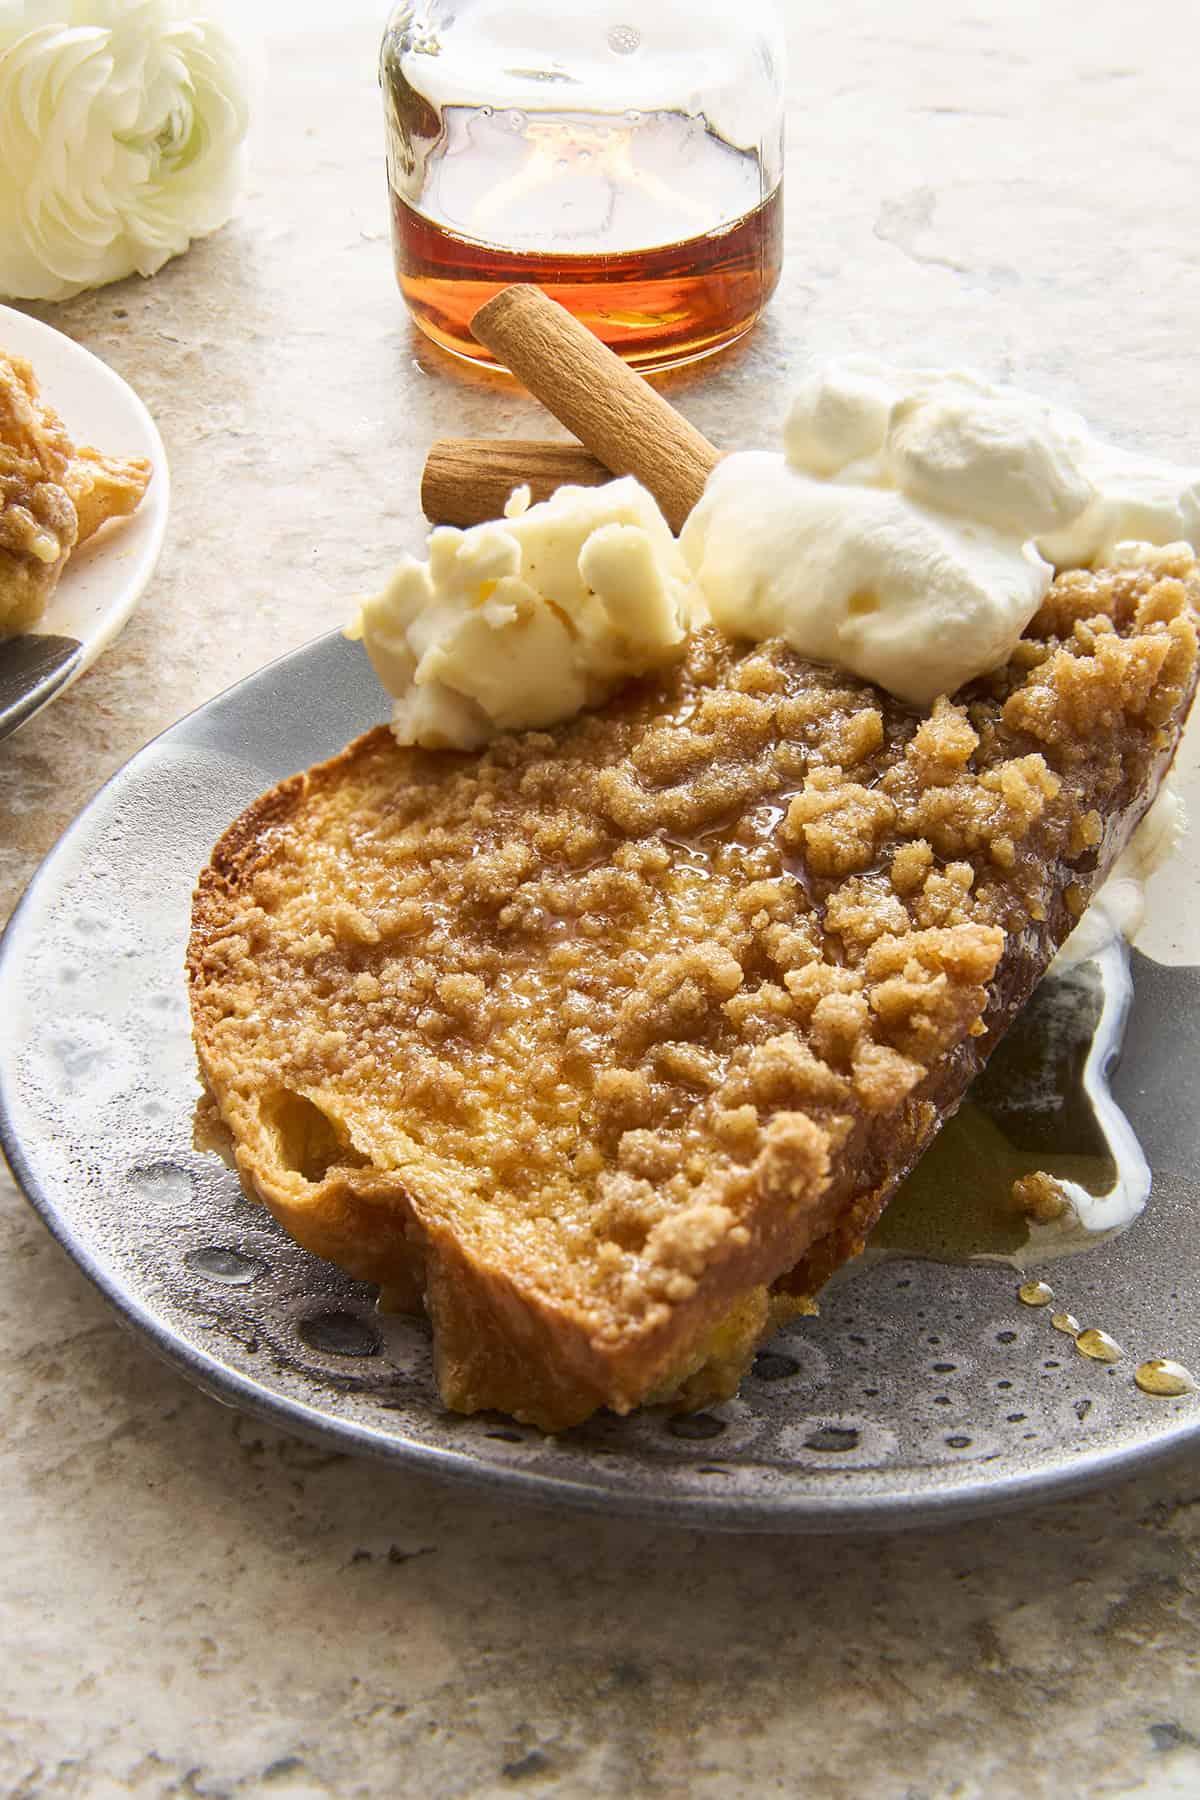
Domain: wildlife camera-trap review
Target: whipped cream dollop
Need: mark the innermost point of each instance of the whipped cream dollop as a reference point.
(1135, 500)
(520, 623)
(913, 524)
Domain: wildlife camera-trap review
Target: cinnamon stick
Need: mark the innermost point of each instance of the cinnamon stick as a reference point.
(614, 413)
(467, 480)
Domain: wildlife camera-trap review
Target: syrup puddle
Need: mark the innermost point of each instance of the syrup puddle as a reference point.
(1044, 1105)
(1043, 1112)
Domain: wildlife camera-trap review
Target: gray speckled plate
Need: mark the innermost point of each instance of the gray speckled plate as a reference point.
(922, 1391)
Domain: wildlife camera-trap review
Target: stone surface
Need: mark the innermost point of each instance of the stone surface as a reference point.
(195, 1606)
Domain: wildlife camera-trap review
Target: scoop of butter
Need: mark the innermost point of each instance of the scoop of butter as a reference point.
(522, 622)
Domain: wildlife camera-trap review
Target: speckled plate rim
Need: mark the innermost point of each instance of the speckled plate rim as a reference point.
(101, 587)
(762, 1512)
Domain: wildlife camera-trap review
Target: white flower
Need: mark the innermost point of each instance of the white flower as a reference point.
(121, 126)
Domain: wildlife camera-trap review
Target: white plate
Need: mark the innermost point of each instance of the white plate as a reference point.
(103, 581)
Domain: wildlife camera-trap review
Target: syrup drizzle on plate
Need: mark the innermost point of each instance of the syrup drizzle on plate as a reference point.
(1042, 1105)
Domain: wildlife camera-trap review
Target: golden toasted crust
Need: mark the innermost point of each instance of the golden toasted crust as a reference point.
(52, 496)
(599, 1034)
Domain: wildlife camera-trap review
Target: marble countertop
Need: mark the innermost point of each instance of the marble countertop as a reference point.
(193, 1605)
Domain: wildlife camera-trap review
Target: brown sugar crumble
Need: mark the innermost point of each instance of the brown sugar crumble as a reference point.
(611, 1041)
(1039, 1197)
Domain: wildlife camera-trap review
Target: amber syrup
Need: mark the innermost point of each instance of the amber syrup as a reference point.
(656, 307)
(649, 228)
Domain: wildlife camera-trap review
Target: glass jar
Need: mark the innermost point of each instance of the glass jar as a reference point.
(628, 159)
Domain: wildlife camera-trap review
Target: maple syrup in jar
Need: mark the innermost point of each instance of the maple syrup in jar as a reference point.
(628, 164)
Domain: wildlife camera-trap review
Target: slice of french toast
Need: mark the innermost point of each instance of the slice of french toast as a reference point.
(609, 1042)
